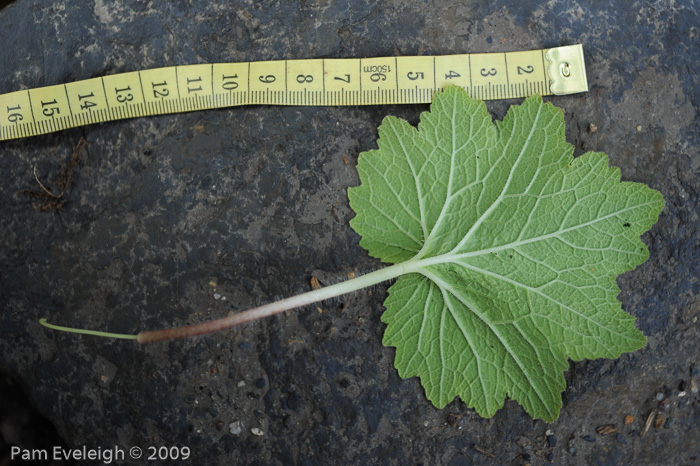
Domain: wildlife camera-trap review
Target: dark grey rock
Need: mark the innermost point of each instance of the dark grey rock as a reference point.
(254, 199)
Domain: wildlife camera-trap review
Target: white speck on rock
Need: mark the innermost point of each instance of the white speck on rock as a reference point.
(103, 12)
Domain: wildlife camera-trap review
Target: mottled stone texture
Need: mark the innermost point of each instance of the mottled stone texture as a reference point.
(254, 200)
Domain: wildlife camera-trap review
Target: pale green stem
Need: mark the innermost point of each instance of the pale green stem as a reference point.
(87, 332)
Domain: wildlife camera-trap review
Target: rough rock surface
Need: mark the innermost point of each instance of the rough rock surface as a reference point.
(254, 201)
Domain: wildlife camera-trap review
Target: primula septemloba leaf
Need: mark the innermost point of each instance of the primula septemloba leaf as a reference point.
(511, 246)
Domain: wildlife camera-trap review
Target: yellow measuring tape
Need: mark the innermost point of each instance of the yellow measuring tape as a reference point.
(321, 82)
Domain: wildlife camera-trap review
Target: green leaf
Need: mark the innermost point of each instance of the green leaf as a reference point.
(510, 249)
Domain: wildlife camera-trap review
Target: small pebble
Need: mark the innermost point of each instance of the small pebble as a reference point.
(256, 431)
(589, 438)
(551, 440)
(235, 427)
(620, 438)
(523, 442)
(629, 419)
(670, 422)
(550, 457)
(452, 419)
(219, 425)
(260, 383)
(592, 128)
(693, 386)
(659, 421)
(639, 127)
(241, 383)
(660, 396)
(217, 296)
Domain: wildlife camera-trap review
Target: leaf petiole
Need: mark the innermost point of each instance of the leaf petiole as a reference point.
(332, 291)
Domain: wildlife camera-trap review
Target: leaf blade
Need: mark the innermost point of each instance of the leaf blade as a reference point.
(514, 248)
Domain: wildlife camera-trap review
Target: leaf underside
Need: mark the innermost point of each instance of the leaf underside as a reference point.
(512, 246)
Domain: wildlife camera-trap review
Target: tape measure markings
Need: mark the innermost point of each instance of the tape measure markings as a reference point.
(320, 82)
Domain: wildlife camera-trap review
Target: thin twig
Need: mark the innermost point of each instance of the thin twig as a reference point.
(48, 200)
(647, 424)
(46, 190)
(483, 451)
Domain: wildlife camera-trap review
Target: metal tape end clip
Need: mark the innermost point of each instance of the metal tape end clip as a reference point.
(567, 70)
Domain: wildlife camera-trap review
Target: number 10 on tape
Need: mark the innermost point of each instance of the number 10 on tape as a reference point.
(321, 82)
